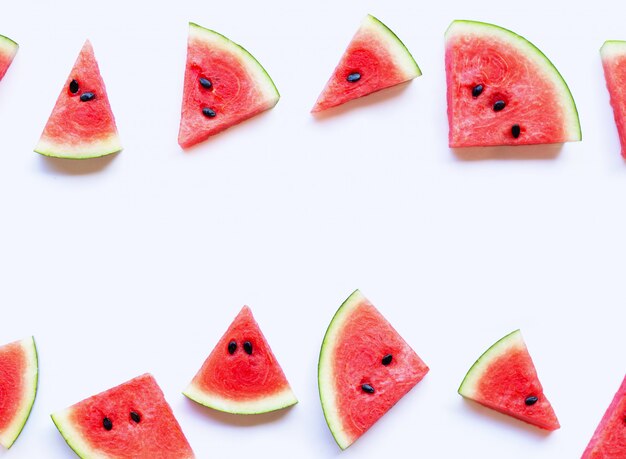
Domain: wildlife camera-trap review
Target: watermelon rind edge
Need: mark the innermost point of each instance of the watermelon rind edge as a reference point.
(8, 44)
(612, 45)
(264, 404)
(401, 46)
(71, 436)
(87, 150)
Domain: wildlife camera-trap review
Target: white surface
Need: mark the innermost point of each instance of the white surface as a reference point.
(140, 261)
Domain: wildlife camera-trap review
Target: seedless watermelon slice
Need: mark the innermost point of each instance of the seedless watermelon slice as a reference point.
(129, 421)
(503, 91)
(81, 124)
(365, 367)
(18, 387)
(8, 50)
(241, 375)
(375, 59)
(613, 54)
(224, 85)
(504, 379)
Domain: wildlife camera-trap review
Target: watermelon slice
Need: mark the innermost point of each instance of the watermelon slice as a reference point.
(503, 91)
(613, 54)
(375, 59)
(241, 375)
(609, 439)
(129, 421)
(504, 379)
(364, 368)
(8, 50)
(81, 124)
(224, 85)
(18, 387)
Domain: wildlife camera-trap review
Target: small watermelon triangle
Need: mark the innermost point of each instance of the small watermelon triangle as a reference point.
(504, 379)
(8, 50)
(613, 54)
(241, 375)
(82, 124)
(375, 59)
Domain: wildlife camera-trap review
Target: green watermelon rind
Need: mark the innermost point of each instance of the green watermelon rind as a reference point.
(86, 150)
(72, 437)
(7, 45)
(11, 434)
(572, 123)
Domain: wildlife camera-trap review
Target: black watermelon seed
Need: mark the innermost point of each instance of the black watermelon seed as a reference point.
(531, 400)
(232, 347)
(135, 416)
(247, 346)
(499, 105)
(477, 90)
(205, 83)
(515, 130)
(206, 111)
(107, 424)
(354, 77)
(387, 359)
(73, 86)
(367, 388)
(87, 96)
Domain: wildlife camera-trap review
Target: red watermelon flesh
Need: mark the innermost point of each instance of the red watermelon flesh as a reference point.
(609, 439)
(613, 54)
(504, 379)
(501, 90)
(242, 375)
(81, 124)
(224, 85)
(8, 50)
(365, 368)
(129, 421)
(379, 59)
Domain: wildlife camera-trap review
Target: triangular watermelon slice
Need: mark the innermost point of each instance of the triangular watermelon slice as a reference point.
(129, 421)
(81, 124)
(241, 375)
(8, 50)
(224, 85)
(18, 387)
(503, 91)
(609, 439)
(504, 379)
(365, 367)
(375, 59)
(613, 54)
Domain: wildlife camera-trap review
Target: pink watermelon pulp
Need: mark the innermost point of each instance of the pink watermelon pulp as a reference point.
(224, 85)
(8, 50)
(241, 375)
(502, 90)
(613, 55)
(504, 379)
(129, 421)
(365, 367)
(81, 124)
(609, 439)
(18, 387)
(375, 59)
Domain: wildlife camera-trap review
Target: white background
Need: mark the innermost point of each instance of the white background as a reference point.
(138, 262)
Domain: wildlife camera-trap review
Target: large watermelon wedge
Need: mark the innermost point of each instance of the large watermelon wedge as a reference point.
(241, 375)
(8, 50)
(364, 368)
(504, 379)
(503, 91)
(375, 59)
(18, 387)
(129, 421)
(81, 124)
(224, 85)
(613, 54)
(609, 439)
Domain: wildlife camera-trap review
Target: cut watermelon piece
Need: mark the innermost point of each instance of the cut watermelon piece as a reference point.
(504, 379)
(375, 59)
(224, 85)
(18, 387)
(241, 375)
(364, 368)
(503, 91)
(613, 54)
(129, 421)
(8, 50)
(81, 125)
(609, 439)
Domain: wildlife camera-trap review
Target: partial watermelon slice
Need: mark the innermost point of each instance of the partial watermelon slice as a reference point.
(129, 421)
(224, 85)
(241, 375)
(504, 379)
(365, 367)
(503, 91)
(375, 59)
(8, 50)
(613, 54)
(609, 439)
(18, 387)
(81, 124)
